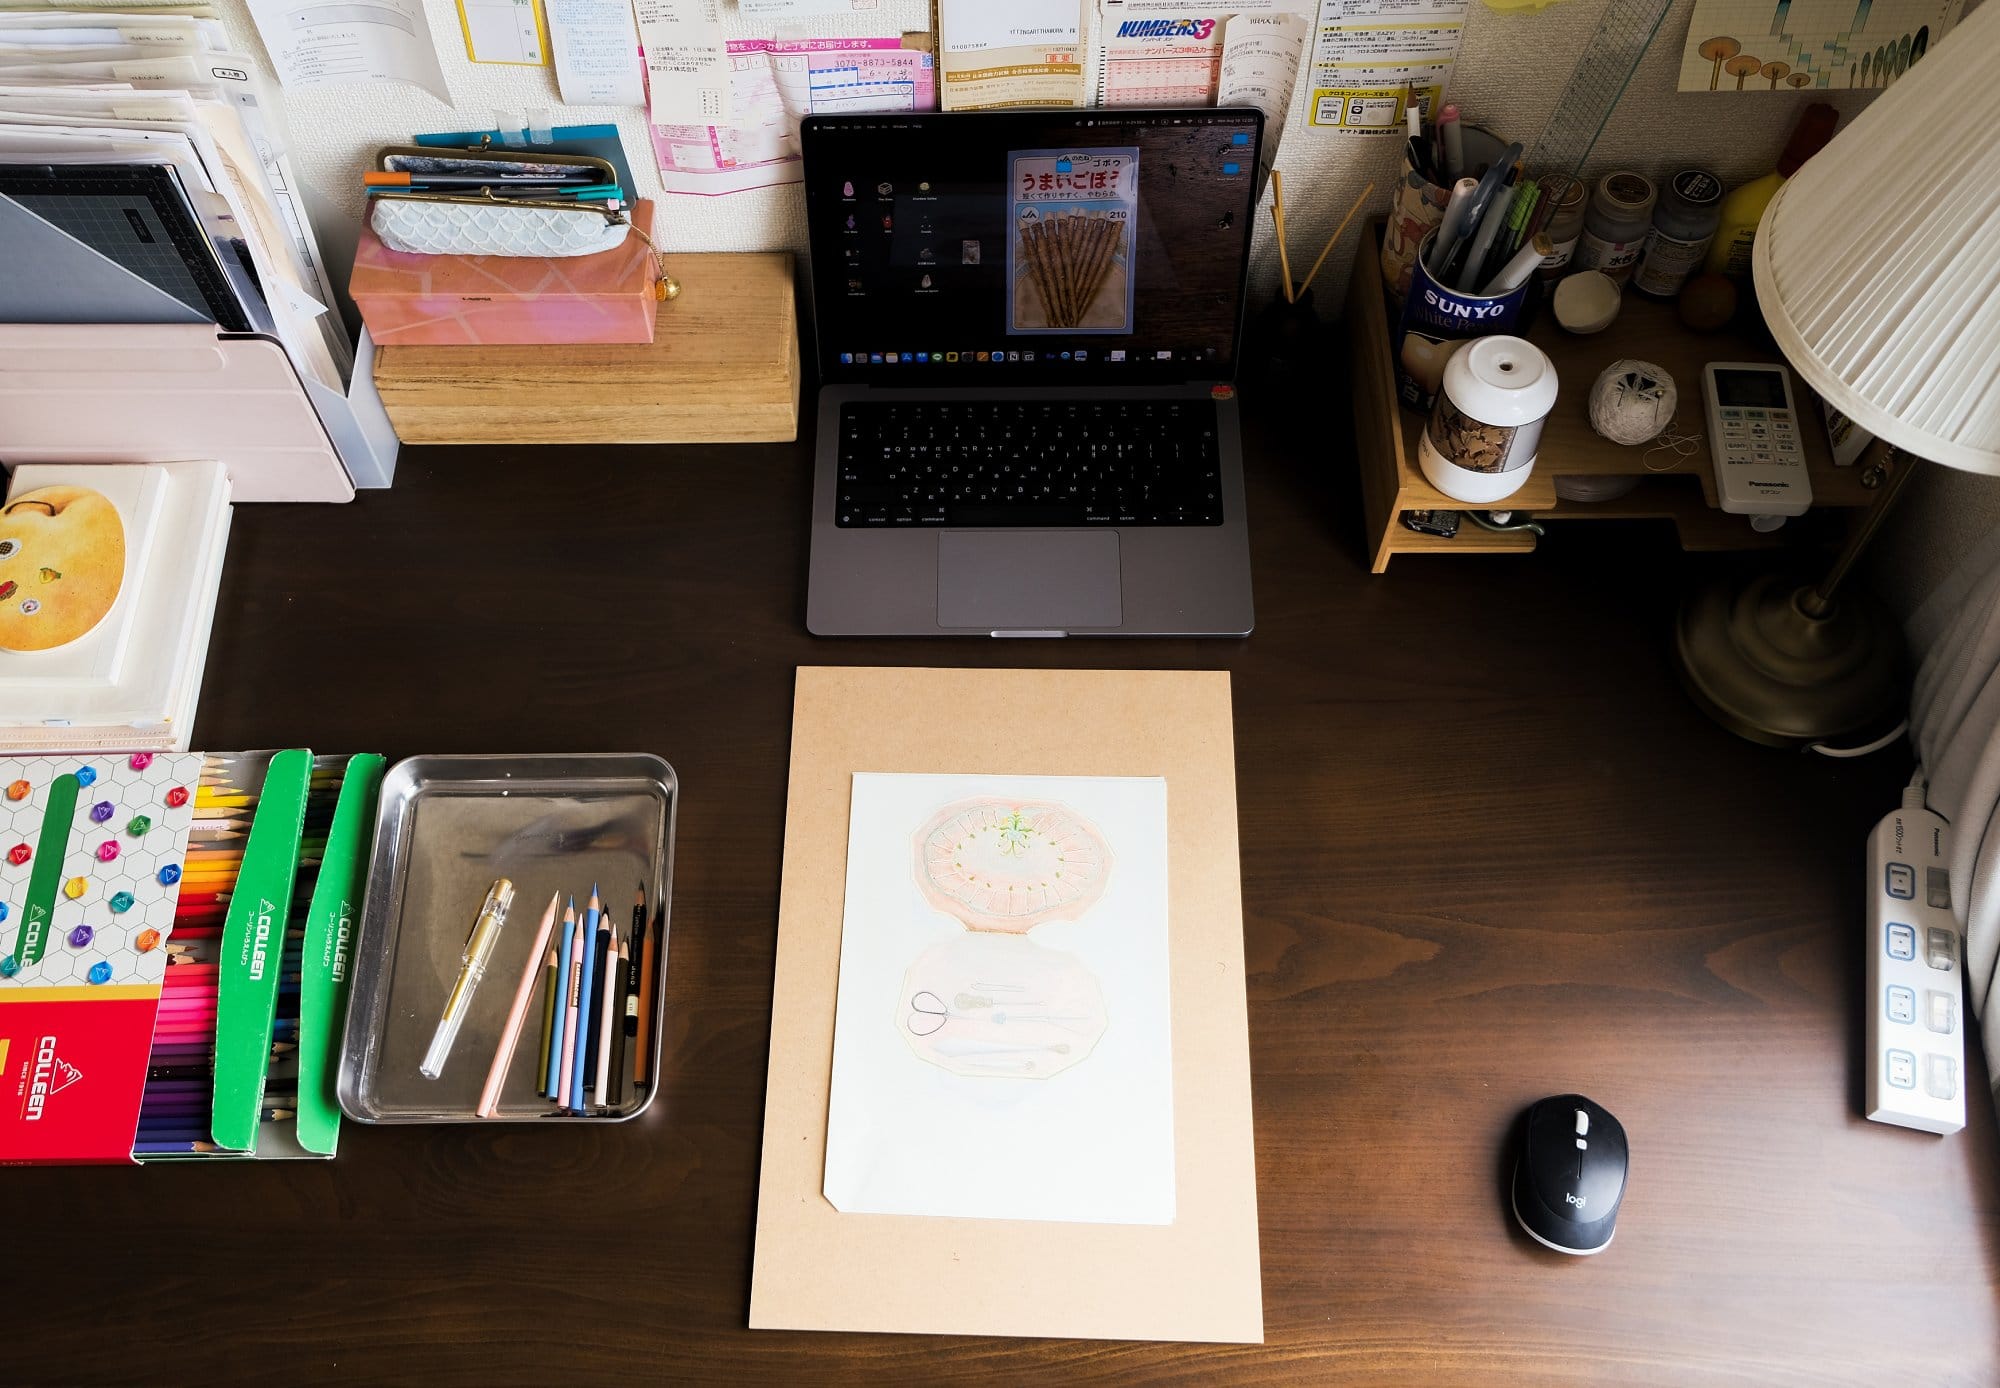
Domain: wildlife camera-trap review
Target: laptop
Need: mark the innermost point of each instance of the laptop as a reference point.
(1027, 326)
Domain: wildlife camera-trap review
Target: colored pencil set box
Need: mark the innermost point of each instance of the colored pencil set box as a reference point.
(177, 930)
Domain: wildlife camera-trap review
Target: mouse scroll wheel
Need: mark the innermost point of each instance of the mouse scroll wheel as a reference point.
(1582, 1123)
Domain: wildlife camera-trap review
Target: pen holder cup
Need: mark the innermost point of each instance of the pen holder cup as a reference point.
(1415, 210)
(1436, 319)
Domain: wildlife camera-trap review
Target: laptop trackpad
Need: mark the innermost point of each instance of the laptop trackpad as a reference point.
(1040, 580)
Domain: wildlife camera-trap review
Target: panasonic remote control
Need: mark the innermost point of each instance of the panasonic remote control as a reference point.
(1916, 1004)
(1754, 437)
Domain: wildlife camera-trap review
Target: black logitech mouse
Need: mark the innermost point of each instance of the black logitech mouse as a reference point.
(1569, 1178)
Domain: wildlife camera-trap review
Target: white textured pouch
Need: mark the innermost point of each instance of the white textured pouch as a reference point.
(435, 226)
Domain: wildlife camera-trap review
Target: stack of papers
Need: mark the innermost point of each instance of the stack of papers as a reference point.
(132, 682)
(136, 147)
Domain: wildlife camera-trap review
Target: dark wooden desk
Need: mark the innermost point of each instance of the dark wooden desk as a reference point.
(1489, 853)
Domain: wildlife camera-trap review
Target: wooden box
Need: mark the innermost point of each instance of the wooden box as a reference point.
(723, 367)
(1676, 487)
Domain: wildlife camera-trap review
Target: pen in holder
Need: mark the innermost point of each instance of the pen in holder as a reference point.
(1437, 318)
(472, 967)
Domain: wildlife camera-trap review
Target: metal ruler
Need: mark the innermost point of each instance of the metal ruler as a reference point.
(1603, 72)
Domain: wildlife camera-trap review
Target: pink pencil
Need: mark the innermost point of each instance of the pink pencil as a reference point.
(570, 1012)
(503, 1055)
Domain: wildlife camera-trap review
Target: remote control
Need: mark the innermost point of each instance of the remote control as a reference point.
(1916, 1021)
(1754, 439)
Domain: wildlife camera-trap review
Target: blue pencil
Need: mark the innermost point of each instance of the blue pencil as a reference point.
(554, 1085)
(589, 960)
(160, 1148)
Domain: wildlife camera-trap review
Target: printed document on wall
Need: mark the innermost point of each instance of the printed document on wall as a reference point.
(315, 45)
(596, 44)
(1370, 55)
(773, 84)
(687, 61)
(1003, 1040)
(1022, 53)
(1261, 54)
(1153, 58)
(1827, 45)
(508, 32)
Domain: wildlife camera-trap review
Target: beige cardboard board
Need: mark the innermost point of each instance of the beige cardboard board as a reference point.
(1196, 1279)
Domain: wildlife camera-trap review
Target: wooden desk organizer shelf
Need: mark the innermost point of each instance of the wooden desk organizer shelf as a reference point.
(1385, 434)
(723, 367)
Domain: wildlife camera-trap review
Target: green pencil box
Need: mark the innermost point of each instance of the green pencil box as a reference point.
(292, 907)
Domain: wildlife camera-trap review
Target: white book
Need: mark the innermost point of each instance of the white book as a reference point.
(174, 603)
(96, 660)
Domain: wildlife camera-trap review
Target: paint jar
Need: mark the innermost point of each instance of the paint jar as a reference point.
(1480, 441)
(1436, 318)
(1617, 225)
(1570, 198)
(1684, 222)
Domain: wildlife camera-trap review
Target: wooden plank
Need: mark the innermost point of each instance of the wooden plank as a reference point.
(723, 367)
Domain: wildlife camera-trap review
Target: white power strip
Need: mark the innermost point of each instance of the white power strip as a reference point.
(1916, 1004)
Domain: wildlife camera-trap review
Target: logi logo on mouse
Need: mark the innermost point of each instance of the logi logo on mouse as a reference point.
(1577, 1200)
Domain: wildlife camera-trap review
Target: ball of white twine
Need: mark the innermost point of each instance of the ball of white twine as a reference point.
(1633, 401)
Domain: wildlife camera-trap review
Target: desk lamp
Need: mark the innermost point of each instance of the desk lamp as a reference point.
(1878, 270)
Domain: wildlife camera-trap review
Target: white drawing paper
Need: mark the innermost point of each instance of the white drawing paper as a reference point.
(316, 43)
(1003, 1044)
(1825, 45)
(596, 45)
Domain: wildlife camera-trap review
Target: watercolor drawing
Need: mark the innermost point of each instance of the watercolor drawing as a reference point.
(991, 1002)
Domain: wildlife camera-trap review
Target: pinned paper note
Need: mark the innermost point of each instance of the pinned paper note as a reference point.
(687, 61)
(774, 84)
(597, 52)
(316, 45)
(1368, 60)
(1260, 66)
(1025, 53)
(503, 31)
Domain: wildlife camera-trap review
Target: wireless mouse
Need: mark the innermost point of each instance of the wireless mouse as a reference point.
(1569, 1178)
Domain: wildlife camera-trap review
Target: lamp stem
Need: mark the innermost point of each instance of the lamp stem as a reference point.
(1817, 602)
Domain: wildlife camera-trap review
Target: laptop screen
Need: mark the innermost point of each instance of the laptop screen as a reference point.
(1087, 246)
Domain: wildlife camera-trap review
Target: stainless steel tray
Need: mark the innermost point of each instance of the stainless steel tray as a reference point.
(446, 827)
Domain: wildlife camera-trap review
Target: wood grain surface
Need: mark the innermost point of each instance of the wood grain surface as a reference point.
(1490, 853)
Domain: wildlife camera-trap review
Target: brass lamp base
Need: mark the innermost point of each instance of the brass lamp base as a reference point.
(1760, 663)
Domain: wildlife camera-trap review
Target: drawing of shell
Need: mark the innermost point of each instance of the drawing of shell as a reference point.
(1008, 865)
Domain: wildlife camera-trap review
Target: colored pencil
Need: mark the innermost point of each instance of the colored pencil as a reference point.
(642, 1062)
(571, 996)
(167, 1148)
(600, 980)
(548, 1017)
(517, 1015)
(559, 1004)
(607, 985)
(622, 971)
(585, 998)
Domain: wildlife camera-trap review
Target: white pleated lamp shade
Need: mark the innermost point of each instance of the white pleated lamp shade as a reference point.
(1878, 264)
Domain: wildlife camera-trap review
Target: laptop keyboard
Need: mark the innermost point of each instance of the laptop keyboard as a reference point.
(1008, 463)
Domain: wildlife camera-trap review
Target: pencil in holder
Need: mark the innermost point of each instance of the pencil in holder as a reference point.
(1436, 319)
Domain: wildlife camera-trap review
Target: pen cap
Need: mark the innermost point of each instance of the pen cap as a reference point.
(499, 898)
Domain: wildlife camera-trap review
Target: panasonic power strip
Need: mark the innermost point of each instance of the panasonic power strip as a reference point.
(1916, 1004)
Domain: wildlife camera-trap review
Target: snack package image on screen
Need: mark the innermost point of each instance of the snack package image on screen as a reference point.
(1069, 253)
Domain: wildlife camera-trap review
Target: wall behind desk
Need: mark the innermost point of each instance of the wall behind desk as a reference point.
(1510, 72)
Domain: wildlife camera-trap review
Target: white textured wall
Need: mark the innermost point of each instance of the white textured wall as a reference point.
(1510, 71)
